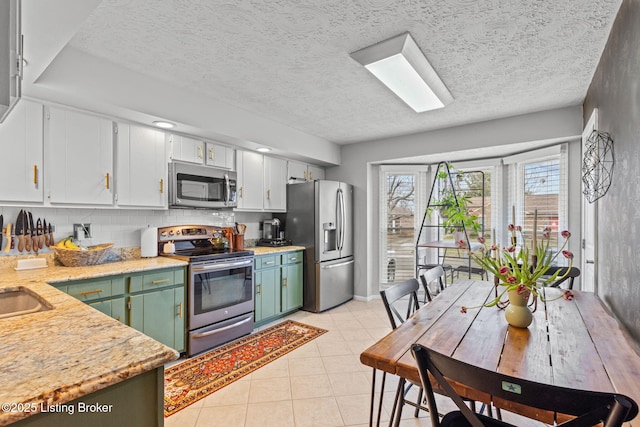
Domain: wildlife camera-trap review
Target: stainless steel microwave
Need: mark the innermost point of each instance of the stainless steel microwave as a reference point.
(201, 187)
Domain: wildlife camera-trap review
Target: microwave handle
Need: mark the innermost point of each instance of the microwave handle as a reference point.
(227, 197)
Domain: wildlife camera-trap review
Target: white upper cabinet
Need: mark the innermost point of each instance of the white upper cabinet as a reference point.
(186, 149)
(275, 184)
(219, 156)
(79, 158)
(262, 182)
(302, 172)
(141, 167)
(21, 148)
(250, 180)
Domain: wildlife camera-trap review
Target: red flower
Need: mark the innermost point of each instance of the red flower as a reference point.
(521, 289)
(518, 228)
(566, 234)
(494, 247)
(512, 279)
(511, 249)
(463, 309)
(481, 239)
(567, 294)
(511, 227)
(567, 254)
(546, 233)
(461, 243)
(503, 270)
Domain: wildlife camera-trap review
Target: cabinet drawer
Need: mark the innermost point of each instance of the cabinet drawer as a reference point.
(96, 289)
(159, 279)
(267, 261)
(292, 257)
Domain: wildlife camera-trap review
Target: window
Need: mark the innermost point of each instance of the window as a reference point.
(401, 209)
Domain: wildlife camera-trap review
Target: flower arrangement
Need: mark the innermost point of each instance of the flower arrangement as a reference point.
(517, 270)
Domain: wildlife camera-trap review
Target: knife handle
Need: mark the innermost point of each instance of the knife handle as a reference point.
(9, 239)
(20, 242)
(41, 241)
(34, 241)
(27, 242)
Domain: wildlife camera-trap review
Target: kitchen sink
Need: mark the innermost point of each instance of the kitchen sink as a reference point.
(19, 300)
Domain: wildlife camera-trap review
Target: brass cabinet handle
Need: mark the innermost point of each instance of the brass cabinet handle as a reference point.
(240, 191)
(200, 151)
(107, 180)
(259, 291)
(268, 262)
(268, 194)
(305, 175)
(310, 176)
(293, 258)
(155, 282)
(180, 310)
(285, 282)
(161, 185)
(35, 174)
(95, 291)
(211, 154)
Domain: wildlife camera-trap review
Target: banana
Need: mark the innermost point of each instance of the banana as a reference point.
(70, 245)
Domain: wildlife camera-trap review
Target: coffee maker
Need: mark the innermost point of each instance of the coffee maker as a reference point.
(272, 234)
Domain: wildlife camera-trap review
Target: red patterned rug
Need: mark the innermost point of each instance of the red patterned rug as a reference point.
(198, 377)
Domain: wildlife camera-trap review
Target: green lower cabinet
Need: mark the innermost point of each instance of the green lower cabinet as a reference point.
(278, 285)
(291, 287)
(152, 302)
(113, 307)
(266, 293)
(159, 315)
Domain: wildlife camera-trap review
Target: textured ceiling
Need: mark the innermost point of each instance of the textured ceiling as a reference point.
(289, 60)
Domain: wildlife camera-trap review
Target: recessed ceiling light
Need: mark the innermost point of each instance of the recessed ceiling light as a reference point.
(164, 125)
(403, 68)
(263, 149)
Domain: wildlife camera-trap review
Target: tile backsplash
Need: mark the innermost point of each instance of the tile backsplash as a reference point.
(123, 226)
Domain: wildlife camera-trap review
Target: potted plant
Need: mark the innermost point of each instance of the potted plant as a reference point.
(453, 208)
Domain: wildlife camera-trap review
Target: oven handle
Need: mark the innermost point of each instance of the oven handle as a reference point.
(224, 328)
(223, 266)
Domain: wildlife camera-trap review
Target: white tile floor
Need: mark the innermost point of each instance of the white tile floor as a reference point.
(321, 383)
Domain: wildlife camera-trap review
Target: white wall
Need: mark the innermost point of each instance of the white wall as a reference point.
(358, 168)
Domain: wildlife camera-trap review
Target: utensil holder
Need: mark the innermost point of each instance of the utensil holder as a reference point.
(238, 241)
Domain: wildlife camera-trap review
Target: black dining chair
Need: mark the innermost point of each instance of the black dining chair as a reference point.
(573, 273)
(400, 301)
(588, 407)
(435, 274)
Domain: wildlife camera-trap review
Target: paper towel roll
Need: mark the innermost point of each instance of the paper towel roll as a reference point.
(149, 242)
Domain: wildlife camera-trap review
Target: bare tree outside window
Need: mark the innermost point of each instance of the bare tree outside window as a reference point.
(400, 190)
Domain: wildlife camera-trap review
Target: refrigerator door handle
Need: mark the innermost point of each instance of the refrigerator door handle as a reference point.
(341, 218)
(342, 264)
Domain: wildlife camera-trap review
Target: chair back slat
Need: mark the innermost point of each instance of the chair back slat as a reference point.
(571, 276)
(393, 297)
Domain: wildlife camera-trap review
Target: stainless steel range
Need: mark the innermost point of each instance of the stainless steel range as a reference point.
(219, 287)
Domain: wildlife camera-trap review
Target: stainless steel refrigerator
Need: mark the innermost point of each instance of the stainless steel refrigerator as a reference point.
(320, 218)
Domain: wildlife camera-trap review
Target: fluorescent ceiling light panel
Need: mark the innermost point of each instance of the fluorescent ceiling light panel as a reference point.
(403, 68)
(164, 125)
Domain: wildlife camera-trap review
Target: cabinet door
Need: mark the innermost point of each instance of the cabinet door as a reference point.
(155, 314)
(21, 148)
(187, 149)
(113, 307)
(79, 155)
(296, 172)
(141, 167)
(315, 172)
(291, 286)
(250, 177)
(275, 184)
(267, 295)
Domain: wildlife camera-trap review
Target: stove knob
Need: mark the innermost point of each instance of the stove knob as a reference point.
(178, 233)
(163, 234)
(171, 233)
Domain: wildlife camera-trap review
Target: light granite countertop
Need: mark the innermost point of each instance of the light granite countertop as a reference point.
(65, 353)
(265, 250)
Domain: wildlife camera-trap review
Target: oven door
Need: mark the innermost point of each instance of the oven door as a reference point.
(220, 290)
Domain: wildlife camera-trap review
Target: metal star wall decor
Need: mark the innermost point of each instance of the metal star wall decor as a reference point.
(597, 165)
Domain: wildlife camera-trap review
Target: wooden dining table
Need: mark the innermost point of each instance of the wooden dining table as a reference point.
(577, 343)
